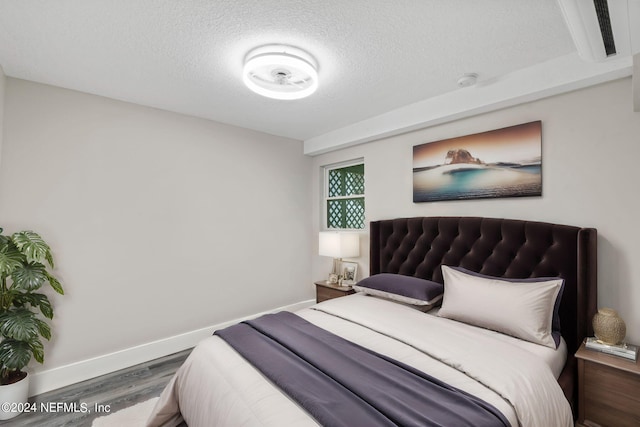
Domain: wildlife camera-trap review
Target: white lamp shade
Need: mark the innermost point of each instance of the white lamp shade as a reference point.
(339, 245)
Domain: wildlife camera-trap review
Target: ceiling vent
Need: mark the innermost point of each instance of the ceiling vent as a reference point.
(602, 12)
(602, 29)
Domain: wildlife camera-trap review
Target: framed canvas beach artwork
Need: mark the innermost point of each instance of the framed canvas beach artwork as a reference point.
(499, 163)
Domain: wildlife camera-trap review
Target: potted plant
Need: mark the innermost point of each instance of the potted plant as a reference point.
(22, 273)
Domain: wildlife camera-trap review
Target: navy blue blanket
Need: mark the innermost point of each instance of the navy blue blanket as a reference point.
(343, 384)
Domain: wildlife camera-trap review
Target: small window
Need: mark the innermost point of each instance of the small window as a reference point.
(344, 196)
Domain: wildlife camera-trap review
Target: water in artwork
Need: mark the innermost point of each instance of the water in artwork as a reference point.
(473, 181)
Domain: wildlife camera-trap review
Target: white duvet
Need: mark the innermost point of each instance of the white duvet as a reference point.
(217, 387)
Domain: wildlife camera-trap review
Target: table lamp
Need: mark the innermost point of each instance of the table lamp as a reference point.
(338, 245)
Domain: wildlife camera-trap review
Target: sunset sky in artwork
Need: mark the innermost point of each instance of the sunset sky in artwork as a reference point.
(512, 144)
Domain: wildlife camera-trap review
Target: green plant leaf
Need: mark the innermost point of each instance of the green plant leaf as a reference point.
(10, 258)
(36, 300)
(55, 284)
(19, 324)
(38, 350)
(7, 299)
(29, 277)
(49, 259)
(15, 354)
(32, 246)
(43, 328)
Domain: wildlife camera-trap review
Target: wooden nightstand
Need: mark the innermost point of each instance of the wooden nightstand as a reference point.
(325, 291)
(608, 390)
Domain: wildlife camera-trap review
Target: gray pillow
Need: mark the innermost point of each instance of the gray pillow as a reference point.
(410, 290)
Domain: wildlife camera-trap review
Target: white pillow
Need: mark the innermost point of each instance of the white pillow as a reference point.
(522, 310)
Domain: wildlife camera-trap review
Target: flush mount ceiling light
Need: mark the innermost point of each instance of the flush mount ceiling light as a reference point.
(280, 72)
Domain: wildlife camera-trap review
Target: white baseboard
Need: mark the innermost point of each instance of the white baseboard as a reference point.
(51, 379)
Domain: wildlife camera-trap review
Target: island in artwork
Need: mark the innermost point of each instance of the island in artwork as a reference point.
(500, 163)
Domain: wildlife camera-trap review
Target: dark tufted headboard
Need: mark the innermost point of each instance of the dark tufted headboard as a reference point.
(498, 247)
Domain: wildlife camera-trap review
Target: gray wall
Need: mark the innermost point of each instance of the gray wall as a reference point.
(160, 223)
(3, 80)
(591, 147)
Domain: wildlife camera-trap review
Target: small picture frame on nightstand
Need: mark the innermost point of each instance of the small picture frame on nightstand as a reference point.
(349, 272)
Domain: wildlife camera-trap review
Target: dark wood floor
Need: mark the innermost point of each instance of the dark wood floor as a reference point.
(119, 390)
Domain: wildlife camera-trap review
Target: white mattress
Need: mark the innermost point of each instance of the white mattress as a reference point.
(216, 386)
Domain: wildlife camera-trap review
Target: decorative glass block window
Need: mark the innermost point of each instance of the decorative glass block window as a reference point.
(344, 196)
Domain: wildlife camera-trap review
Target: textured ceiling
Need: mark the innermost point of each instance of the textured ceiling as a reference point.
(187, 55)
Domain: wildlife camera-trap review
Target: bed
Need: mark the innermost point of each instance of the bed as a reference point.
(528, 383)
